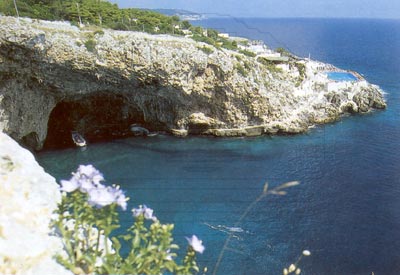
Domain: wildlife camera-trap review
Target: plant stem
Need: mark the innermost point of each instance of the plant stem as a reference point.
(221, 254)
(98, 241)
(16, 8)
(67, 241)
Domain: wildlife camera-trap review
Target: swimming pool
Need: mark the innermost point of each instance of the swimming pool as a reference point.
(341, 76)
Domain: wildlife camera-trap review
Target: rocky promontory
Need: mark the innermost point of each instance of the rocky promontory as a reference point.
(56, 78)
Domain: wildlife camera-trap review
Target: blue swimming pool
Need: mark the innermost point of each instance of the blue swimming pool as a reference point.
(341, 76)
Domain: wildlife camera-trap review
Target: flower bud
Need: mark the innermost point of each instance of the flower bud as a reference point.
(306, 252)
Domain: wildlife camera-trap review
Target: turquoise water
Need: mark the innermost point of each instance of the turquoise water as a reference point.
(346, 210)
(341, 76)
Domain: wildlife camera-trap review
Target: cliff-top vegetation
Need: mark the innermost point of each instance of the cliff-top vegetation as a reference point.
(107, 15)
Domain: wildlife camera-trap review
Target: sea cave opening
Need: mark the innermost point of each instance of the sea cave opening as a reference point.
(99, 117)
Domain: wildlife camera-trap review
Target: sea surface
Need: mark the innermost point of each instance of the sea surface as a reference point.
(346, 210)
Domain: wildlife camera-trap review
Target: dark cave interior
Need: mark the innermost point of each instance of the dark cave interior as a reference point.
(99, 117)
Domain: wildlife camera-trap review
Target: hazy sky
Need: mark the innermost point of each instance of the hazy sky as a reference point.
(278, 8)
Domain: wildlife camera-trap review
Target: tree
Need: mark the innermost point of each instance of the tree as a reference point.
(94, 12)
(16, 8)
(186, 25)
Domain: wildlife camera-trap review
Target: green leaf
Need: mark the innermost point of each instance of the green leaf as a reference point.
(136, 240)
(170, 265)
(116, 244)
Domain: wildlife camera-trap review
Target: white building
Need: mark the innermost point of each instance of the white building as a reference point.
(223, 35)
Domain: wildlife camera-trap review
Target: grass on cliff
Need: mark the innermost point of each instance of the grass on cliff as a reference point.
(206, 50)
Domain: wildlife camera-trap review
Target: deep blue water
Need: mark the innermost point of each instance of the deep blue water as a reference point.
(346, 210)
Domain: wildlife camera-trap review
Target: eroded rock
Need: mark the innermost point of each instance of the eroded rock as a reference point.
(51, 84)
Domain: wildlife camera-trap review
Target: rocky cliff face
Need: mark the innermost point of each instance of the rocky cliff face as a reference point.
(28, 198)
(55, 78)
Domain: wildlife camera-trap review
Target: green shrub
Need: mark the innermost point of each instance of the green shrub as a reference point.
(90, 45)
(99, 32)
(227, 44)
(247, 65)
(206, 49)
(238, 58)
(205, 39)
(269, 65)
(283, 51)
(247, 53)
(302, 73)
(301, 68)
(241, 70)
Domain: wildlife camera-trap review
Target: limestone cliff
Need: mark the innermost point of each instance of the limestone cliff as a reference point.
(55, 78)
(28, 198)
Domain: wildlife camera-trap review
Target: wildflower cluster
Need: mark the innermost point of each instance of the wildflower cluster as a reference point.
(145, 211)
(87, 179)
(86, 219)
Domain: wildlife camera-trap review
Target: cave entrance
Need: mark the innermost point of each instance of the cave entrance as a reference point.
(99, 117)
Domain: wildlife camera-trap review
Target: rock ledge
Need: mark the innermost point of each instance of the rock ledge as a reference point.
(52, 84)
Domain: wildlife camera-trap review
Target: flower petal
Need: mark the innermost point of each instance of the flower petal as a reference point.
(196, 244)
(69, 185)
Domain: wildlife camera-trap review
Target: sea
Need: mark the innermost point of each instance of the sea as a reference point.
(346, 209)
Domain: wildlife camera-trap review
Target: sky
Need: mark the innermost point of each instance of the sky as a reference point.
(277, 8)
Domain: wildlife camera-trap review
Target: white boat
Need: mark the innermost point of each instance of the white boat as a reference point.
(78, 139)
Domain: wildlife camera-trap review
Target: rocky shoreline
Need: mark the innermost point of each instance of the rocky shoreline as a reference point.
(56, 78)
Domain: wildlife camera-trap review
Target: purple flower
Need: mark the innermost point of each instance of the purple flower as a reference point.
(103, 196)
(86, 185)
(100, 197)
(136, 212)
(120, 198)
(145, 211)
(87, 179)
(196, 244)
(91, 173)
(148, 213)
(69, 185)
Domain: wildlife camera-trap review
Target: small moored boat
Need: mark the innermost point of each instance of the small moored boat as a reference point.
(78, 139)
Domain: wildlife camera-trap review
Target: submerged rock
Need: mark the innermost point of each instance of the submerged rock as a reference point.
(50, 84)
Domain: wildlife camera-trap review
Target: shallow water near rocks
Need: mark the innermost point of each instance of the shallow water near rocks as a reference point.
(346, 210)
